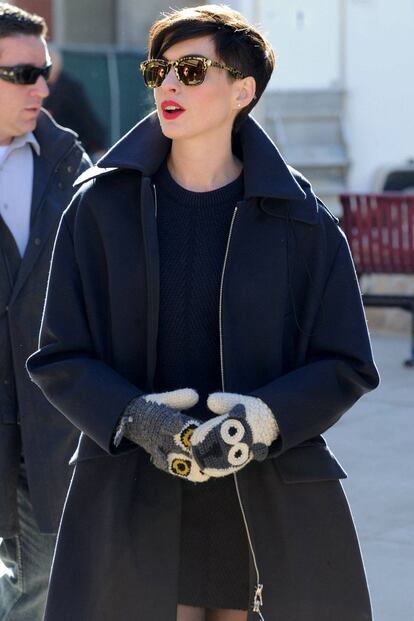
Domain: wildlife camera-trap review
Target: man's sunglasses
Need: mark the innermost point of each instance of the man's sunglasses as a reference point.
(24, 74)
(190, 70)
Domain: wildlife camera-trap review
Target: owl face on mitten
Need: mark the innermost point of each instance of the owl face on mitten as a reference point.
(156, 423)
(225, 444)
(175, 452)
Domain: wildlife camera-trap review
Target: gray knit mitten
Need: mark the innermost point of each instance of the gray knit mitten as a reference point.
(244, 431)
(155, 423)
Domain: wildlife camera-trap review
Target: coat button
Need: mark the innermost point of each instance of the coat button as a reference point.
(60, 185)
(69, 169)
(37, 241)
(6, 382)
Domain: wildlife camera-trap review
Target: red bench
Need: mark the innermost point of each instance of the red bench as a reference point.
(380, 232)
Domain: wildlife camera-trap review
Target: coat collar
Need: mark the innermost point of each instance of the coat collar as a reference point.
(53, 140)
(266, 175)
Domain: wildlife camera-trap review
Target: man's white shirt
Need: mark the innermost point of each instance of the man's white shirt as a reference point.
(16, 186)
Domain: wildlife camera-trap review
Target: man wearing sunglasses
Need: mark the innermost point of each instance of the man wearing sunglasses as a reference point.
(38, 164)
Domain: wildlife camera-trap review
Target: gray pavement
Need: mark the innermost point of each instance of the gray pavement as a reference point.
(374, 443)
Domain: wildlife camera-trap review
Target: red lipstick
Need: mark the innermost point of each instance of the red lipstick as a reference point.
(171, 109)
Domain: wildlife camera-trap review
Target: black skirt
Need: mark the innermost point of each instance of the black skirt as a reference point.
(214, 556)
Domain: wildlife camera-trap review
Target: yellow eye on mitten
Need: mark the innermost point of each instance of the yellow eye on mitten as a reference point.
(156, 423)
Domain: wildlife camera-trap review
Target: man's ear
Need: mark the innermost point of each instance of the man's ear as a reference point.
(245, 92)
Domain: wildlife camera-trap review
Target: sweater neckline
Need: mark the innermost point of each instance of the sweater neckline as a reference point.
(231, 192)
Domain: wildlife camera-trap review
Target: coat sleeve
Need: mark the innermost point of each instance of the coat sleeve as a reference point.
(339, 367)
(66, 367)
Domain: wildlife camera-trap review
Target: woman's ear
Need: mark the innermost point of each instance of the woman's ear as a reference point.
(245, 92)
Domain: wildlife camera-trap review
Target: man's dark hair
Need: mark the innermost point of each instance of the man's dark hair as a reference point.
(238, 44)
(16, 21)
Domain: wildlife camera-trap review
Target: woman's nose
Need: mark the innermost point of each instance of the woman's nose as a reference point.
(171, 82)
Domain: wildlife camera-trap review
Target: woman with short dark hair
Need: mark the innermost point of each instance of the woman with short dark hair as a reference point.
(203, 327)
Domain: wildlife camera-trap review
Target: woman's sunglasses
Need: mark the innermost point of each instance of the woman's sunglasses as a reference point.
(190, 70)
(24, 74)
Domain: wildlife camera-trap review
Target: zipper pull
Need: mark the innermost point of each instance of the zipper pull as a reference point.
(258, 599)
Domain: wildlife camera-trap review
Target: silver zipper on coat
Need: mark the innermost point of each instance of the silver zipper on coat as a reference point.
(258, 592)
(155, 200)
(221, 296)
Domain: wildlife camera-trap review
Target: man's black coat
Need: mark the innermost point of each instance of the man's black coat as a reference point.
(26, 417)
(293, 333)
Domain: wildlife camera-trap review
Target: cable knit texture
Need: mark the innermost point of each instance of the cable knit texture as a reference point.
(192, 229)
(155, 423)
(244, 431)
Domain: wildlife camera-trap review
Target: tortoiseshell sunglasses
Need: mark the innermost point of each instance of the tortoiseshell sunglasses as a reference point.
(190, 70)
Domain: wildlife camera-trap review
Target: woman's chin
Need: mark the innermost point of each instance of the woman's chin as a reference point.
(171, 132)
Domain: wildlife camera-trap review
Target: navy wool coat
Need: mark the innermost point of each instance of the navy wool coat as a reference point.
(293, 333)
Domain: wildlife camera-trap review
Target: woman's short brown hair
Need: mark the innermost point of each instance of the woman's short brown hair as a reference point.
(238, 44)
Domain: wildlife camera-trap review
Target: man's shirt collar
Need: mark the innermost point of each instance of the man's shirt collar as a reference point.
(20, 141)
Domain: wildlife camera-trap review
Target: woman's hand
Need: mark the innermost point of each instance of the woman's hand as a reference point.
(244, 430)
(155, 422)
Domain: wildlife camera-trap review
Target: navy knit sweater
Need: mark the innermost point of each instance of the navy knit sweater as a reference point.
(193, 228)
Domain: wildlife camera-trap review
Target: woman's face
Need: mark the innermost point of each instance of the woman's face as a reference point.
(204, 110)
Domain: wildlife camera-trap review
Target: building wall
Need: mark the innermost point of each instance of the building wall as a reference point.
(41, 7)
(96, 26)
(363, 46)
(134, 19)
(380, 88)
(85, 22)
(308, 53)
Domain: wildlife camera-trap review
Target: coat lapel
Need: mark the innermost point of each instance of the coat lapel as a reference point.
(42, 170)
(45, 222)
(52, 190)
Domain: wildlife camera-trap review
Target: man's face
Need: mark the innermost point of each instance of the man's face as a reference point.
(20, 103)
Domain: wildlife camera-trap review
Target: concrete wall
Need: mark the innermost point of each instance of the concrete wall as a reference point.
(379, 65)
(87, 22)
(306, 37)
(135, 18)
(40, 7)
(364, 46)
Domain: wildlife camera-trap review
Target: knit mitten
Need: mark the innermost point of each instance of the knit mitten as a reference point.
(155, 423)
(244, 431)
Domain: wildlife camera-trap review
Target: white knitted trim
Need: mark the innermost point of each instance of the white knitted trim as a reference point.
(181, 399)
(259, 416)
